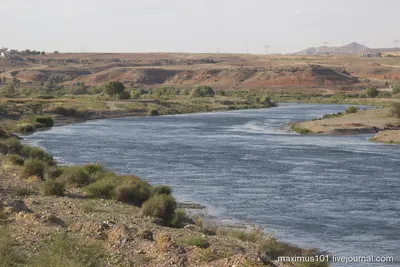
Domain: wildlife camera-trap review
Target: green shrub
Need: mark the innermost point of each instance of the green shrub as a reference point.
(153, 112)
(384, 94)
(161, 190)
(396, 110)
(351, 109)
(45, 97)
(67, 112)
(52, 188)
(45, 120)
(57, 78)
(65, 251)
(396, 88)
(273, 248)
(74, 176)
(371, 92)
(102, 188)
(3, 134)
(160, 206)
(94, 168)
(22, 191)
(329, 116)
(135, 94)
(125, 188)
(179, 219)
(25, 128)
(54, 172)
(15, 159)
(10, 146)
(203, 91)
(37, 153)
(33, 167)
(298, 129)
(197, 241)
(253, 236)
(135, 193)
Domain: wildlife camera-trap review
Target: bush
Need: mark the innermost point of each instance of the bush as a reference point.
(273, 248)
(371, 92)
(74, 176)
(3, 134)
(253, 236)
(396, 110)
(56, 78)
(45, 120)
(203, 91)
(161, 190)
(114, 88)
(298, 129)
(179, 219)
(53, 172)
(25, 128)
(160, 206)
(135, 193)
(196, 241)
(103, 188)
(67, 112)
(45, 97)
(37, 153)
(135, 94)
(15, 159)
(396, 89)
(335, 115)
(153, 112)
(52, 188)
(94, 168)
(10, 145)
(22, 191)
(33, 167)
(351, 109)
(127, 189)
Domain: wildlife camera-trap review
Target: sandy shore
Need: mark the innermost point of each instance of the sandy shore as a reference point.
(377, 121)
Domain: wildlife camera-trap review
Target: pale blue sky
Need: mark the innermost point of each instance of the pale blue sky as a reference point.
(196, 25)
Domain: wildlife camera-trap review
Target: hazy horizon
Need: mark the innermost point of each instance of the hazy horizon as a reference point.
(196, 26)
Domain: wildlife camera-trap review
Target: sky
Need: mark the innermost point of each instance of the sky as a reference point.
(209, 26)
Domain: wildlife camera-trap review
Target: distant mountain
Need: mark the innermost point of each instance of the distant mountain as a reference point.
(352, 48)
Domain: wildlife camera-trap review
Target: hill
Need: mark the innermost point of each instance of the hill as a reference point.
(352, 48)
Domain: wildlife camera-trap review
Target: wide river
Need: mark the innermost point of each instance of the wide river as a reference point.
(336, 193)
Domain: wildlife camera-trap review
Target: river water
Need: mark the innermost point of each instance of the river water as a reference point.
(336, 193)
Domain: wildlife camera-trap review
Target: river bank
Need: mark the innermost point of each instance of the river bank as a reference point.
(19, 114)
(244, 167)
(379, 121)
(109, 232)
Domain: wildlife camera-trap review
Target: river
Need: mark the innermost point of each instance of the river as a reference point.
(337, 193)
